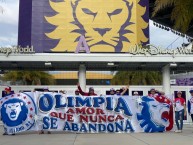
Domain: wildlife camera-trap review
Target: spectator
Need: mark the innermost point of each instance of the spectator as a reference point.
(77, 92)
(90, 93)
(112, 91)
(136, 94)
(46, 89)
(7, 92)
(118, 92)
(62, 91)
(180, 111)
(153, 93)
(190, 105)
(124, 90)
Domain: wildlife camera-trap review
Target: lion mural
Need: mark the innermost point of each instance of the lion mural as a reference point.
(14, 112)
(108, 26)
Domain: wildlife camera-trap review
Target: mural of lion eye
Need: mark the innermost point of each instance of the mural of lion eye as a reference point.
(89, 12)
(115, 12)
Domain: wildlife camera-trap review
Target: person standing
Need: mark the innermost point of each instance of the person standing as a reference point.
(90, 93)
(180, 111)
(124, 90)
(136, 94)
(77, 92)
(190, 105)
(153, 93)
(112, 91)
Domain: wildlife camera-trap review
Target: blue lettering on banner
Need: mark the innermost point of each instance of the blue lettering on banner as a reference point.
(128, 126)
(50, 123)
(83, 102)
(74, 126)
(98, 101)
(83, 128)
(70, 101)
(109, 127)
(122, 105)
(46, 123)
(58, 101)
(119, 126)
(46, 102)
(109, 103)
(67, 126)
(54, 123)
(101, 127)
(92, 127)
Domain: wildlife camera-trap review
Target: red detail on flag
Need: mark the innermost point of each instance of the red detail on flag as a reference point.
(29, 102)
(31, 109)
(30, 116)
(24, 97)
(18, 94)
(12, 95)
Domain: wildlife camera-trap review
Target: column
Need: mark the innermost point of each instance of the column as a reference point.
(82, 76)
(166, 79)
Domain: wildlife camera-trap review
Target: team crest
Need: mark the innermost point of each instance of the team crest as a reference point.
(17, 112)
(156, 114)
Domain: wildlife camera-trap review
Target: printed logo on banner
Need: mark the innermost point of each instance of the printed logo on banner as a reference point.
(17, 112)
(155, 114)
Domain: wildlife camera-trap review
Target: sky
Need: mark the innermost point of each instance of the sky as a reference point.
(9, 28)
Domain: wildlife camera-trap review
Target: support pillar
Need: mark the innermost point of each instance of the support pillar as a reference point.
(166, 79)
(82, 76)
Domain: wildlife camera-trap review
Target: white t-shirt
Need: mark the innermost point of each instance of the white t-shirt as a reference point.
(180, 102)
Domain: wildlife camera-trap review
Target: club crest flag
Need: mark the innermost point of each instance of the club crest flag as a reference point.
(85, 114)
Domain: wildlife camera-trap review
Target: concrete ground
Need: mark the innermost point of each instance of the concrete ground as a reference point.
(61, 138)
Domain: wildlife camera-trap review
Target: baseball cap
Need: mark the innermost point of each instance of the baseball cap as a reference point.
(191, 91)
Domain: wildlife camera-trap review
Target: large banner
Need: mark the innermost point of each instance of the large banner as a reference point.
(86, 114)
(107, 25)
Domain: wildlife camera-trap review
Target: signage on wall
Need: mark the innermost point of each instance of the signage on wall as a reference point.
(153, 50)
(16, 50)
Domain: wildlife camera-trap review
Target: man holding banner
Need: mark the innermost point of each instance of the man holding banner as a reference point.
(90, 93)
